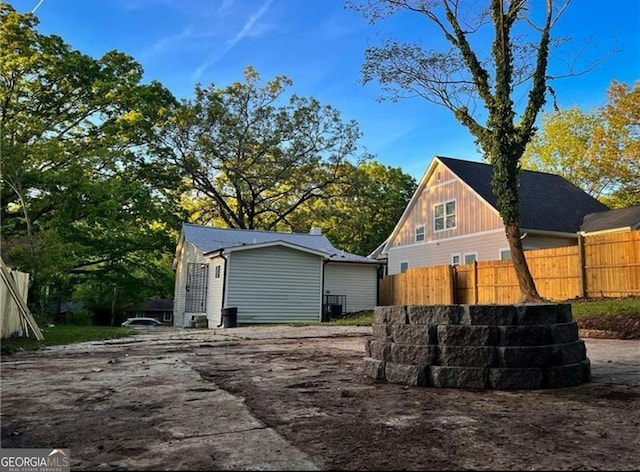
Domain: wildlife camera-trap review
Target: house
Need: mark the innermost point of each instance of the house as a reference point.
(155, 307)
(452, 218)
(622, 219)
(270, 277)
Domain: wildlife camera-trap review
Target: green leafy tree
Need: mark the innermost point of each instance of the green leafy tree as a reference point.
(79, 199)
(599, 150)
(360, 217)
(463, 77)
(256, 156)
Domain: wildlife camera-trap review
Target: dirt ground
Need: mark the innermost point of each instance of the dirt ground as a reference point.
(295, 398)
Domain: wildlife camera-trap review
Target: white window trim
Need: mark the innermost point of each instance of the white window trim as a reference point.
(444, 215)
(424, 233)
(500, 251)
(464, 256)
(459, 258)
(403, 262)
(217, 272)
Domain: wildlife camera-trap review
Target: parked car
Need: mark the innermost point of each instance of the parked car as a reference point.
(142, 323)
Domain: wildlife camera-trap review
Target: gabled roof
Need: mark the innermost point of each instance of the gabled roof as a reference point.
(548, 202)
(209, 239)
(620, 219)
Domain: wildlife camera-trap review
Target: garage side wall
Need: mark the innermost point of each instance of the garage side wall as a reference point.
(274, 285)
(359, 282)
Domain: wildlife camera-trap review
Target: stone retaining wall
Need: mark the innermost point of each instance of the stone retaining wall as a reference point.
(526, 346)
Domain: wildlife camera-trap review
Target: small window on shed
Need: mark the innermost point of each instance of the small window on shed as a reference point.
(404, 266)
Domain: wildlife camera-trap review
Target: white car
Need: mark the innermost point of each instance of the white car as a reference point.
(142, 323)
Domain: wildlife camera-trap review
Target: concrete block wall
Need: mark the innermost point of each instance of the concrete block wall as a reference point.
(503, 347)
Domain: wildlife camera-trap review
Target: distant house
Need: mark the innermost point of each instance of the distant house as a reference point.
(452, 216)
(622, 219)
(156, 307)
(270, 277)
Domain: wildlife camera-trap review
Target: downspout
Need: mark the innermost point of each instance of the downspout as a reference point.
(224, 287)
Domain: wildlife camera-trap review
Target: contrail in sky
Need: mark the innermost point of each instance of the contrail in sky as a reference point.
(37, 6)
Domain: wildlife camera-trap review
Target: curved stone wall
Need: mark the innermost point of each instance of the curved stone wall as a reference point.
(522, 346)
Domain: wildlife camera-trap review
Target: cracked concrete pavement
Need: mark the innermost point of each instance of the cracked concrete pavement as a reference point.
(143, 402)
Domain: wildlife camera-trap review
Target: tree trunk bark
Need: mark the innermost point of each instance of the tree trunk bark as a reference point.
(528, 291)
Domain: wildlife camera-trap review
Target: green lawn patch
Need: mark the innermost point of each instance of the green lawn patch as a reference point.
(589, 308)
(65, 334)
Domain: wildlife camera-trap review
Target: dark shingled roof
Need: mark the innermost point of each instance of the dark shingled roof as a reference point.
(612, 219)
(547, 201)
(210, 239)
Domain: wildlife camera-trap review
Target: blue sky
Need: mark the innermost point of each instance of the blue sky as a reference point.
(320, 45)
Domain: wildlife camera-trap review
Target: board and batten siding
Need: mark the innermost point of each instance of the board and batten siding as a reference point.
(189, 254)
(215, 291)
(274, 284)
(473, 215)
(359, 282)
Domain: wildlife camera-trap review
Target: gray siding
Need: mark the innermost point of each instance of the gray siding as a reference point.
(274, 285)
(359, 282)
(486, 245)
(188, 254)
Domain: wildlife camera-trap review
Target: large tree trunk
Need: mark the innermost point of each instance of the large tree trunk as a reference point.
(528, 291)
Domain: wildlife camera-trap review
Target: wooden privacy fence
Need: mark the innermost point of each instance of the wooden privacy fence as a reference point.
(606, 265)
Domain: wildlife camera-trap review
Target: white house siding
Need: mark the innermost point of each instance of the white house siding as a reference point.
(486, 245)
(274, 285)
(188, 254)
(215, 291)
(359, 282)
(472, 213)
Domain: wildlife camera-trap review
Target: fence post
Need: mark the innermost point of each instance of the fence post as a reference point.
(475, 282)
(581, 268)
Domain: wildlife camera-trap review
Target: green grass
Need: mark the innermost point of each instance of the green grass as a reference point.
(589, 308)
(65, 334)
(361, 318)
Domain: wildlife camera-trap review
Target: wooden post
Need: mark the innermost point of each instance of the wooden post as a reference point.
(581, 268)
(475, 282)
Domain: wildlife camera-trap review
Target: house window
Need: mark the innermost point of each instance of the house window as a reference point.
(470, 257)
(455, 259)
(197, 278)
(419, 233)
(217, 272)
(444, 216)
(505, 254)
(167, 316)
(404, 266)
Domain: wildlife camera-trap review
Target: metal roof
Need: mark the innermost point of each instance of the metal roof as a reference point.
(210, 239)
